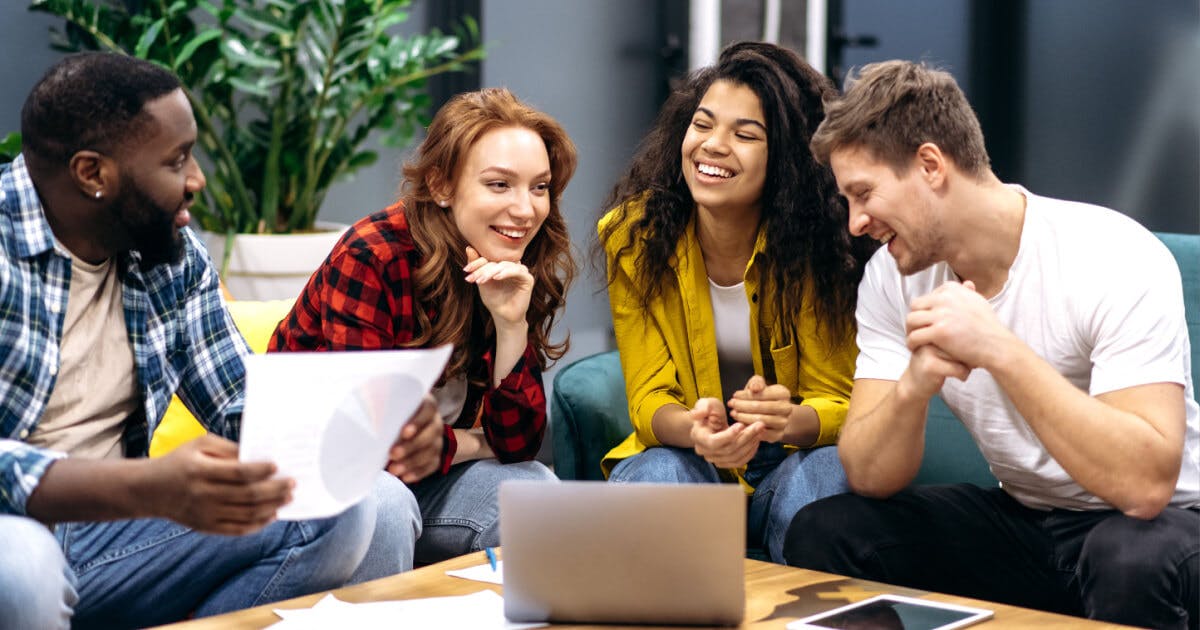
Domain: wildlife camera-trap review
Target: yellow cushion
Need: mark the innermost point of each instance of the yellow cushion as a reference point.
(257, 321)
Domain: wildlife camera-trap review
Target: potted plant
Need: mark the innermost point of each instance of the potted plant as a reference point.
(286, 94)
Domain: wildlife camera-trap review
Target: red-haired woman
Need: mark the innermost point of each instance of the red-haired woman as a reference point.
(476, 255)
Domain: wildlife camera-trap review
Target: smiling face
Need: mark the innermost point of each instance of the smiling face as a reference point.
(502, 194)
(725, 149)
(159, 181)
(898, 211)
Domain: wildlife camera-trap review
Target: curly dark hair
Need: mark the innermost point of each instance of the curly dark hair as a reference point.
(804, 217)
(92, 100)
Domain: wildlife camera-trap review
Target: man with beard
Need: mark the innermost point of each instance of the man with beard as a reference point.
(1054, 330)
(108, 306)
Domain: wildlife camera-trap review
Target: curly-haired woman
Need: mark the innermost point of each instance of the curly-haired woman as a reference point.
(732, 280)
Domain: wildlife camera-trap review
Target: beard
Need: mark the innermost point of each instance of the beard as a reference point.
(149, 227)
(924, 246)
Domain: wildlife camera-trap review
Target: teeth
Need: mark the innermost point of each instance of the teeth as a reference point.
(511, 233)
(715, 171)
(887, 237)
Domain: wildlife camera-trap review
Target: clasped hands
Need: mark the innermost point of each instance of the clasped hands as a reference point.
(950, 332)
(761, 413)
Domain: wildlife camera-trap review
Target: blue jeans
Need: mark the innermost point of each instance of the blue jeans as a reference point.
(783, 483)
(152, 571)
(460, 510)
(37, 589)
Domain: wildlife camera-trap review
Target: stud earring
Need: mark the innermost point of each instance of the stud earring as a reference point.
(98, 194)
(443, 203)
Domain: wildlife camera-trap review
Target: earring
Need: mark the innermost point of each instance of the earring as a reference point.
(98, 194)
(443, 203)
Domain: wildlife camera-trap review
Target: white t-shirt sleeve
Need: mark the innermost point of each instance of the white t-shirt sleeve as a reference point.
(1135, 326)
(882, 307)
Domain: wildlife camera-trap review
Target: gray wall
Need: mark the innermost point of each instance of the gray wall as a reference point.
(938, 35)
(593, 66)
(1105, 93)
(24, 39)
(1113, 107)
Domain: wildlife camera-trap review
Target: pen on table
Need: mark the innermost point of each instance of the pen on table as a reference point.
(491, 556)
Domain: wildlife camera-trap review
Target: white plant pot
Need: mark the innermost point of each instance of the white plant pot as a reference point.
(272, 266)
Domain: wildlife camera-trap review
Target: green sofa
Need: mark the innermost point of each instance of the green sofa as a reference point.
(590, 412)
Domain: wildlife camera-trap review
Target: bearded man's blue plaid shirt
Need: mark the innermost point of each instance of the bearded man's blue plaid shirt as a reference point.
(182, 336)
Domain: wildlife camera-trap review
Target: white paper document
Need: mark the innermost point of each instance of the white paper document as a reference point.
(481, 610)
(481, 573)
(328, 419)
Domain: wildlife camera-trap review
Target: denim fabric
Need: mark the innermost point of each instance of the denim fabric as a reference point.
(397, 527)
(783, 483)
(460, 510)
(801, 478)
(152, 571)
(36, 588)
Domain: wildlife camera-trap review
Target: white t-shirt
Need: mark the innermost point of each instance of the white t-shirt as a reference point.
(1094, 294)
(731, 322)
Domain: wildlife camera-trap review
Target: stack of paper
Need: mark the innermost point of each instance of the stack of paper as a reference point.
(484, 609)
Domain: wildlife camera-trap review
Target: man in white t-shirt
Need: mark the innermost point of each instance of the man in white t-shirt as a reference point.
(1054, 330)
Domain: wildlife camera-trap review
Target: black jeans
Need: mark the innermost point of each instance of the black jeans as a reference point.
(968, 541)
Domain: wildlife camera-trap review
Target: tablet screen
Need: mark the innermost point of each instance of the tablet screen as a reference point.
(888, 612)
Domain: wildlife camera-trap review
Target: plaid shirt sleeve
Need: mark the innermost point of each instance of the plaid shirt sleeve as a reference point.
(21, 468)
(357, 300)
(513, 414)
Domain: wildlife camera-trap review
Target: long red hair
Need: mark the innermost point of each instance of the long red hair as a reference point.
(462, 320)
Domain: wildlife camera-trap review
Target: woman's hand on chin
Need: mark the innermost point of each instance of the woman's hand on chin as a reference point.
(504, 286)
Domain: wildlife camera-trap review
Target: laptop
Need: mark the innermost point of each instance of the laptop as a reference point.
(595, 552)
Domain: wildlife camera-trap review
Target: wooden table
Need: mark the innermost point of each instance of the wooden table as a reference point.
(775, 595)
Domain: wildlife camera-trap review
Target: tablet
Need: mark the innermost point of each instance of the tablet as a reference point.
(894, 612)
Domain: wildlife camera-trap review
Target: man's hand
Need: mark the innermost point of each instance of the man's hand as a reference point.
(927, 371)
(960, 323)
(418, 450)
(770, 405)
(202, 485)
(720, 444)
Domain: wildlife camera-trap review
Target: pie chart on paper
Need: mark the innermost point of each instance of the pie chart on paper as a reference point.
(362, 427)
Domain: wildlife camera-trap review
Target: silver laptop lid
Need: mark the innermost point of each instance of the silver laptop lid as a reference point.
(588, 551)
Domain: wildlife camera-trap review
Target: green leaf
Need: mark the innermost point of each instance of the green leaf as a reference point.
(389, 20)
(194, 43)
(237, 53)
(361, 160)
(148, 37)
(10, 146)
(249, 86)
(262, 20)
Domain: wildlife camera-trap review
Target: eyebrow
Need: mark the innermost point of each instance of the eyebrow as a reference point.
(739, 122)
(183, 147)
(853, 187)
(511, 173)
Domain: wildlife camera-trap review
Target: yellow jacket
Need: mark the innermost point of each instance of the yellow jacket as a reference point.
(669, 353)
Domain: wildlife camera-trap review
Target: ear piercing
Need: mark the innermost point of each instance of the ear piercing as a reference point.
(443, 203)
(98, 194)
